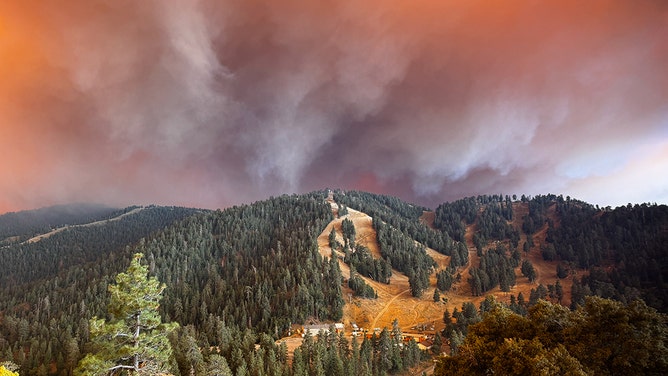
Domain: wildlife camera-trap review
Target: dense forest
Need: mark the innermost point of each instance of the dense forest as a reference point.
(402, 238)
(17, 227)
(600, 337)
(49, 289)
(238, 279)
(632, 238)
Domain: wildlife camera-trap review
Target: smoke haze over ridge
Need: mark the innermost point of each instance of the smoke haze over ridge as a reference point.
(214, 103)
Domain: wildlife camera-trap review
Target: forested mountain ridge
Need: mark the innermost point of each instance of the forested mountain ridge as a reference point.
(49, 289)
(19, 226)
(242, 276)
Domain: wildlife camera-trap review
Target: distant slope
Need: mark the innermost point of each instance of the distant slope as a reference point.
(19, 226)
(26, 262)
(625, 250)
(112, 218)
(398, 214)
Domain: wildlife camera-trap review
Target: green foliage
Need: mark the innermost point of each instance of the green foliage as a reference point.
(333, 244)
(217, 366)
(633, 236)
(23, 225)
(453, 217)
(537, 213)
(405, 255)
(253, 266)
(238, 278)
(56, 285)
(135, 339)
(603, 337)
(342, 210)
(444, 279)
(562, 271)
(457, 324)
(348, 229)
(402, 216)
(493, 225)
(359, 287)
(497, 268)
(528, 270)
(332, 354)
(362, 261)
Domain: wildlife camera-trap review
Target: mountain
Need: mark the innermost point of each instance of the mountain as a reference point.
(244, 276)
(18, 226)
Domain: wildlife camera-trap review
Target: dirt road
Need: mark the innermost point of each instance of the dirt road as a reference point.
(97, 223)
(387, 306)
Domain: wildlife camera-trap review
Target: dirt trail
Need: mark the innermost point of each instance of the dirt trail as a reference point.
(387, 306)
(392, 302)
(96, 223)
(463, 288)
(394, 299)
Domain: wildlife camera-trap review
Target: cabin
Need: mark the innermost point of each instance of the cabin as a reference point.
(314, 330)
(425, 345)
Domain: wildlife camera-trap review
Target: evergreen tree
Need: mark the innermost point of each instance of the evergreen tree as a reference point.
(558, 291)
(562, 272)
(217, 366)
(332, 240)
(134, 341)
(438, 342)
(528, 270)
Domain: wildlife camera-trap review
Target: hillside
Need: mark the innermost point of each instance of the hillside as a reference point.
(15, 227)
(249, 274)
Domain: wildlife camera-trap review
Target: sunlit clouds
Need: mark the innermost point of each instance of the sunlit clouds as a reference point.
(214, 103)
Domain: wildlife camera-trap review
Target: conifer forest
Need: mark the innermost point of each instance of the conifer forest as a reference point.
(92, 290)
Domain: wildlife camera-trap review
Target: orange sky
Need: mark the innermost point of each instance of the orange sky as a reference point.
(214, 103)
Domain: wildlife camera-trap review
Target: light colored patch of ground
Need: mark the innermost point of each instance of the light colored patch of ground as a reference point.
(395, 300)
(428, 218)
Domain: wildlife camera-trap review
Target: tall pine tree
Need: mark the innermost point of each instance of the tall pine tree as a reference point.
(134, 341)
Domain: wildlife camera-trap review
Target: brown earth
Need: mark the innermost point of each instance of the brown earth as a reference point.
(423, 315)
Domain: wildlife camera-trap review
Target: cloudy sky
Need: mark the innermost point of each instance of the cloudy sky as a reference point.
(215, 103)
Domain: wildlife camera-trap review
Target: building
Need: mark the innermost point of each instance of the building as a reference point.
(314, 330)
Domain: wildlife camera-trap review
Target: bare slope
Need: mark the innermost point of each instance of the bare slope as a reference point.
(394, 299)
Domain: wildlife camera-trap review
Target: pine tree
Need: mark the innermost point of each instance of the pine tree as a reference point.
(217, 366)
(528, 270)
(135, 340)
(332, 239)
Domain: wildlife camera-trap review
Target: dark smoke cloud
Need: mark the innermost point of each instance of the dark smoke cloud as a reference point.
(213, 103)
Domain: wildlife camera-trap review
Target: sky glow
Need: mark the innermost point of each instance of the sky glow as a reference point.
(216, 103)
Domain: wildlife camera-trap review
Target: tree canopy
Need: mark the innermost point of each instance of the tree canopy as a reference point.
(601, 337)
(134, 340)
